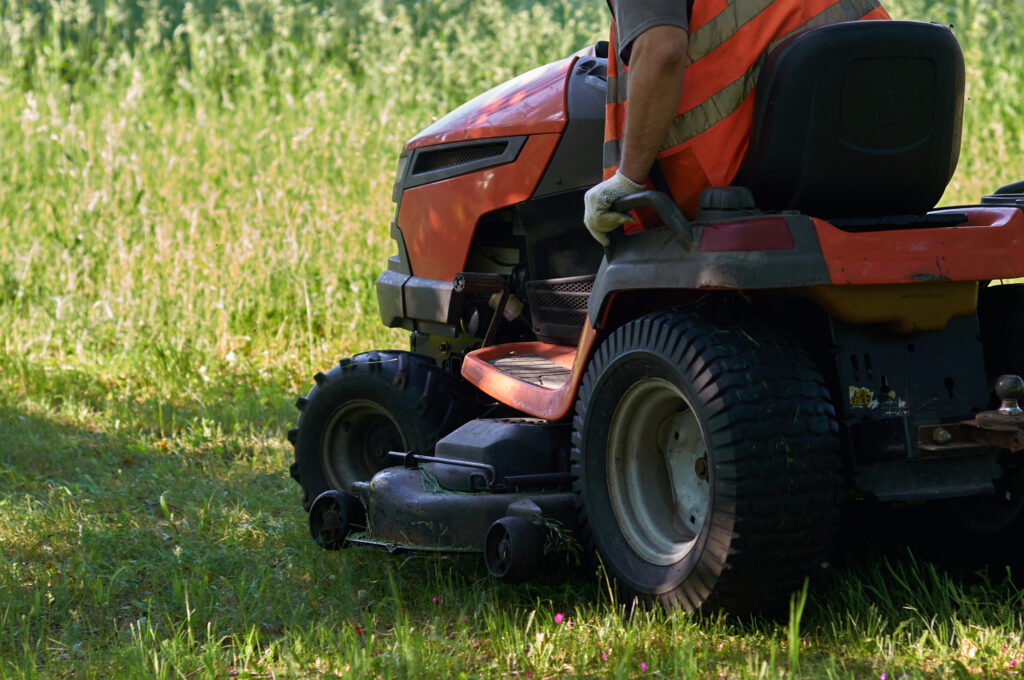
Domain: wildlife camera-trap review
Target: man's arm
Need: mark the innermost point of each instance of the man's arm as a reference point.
(657, 67)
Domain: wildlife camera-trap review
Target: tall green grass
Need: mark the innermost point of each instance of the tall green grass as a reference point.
(231, 166)
(194, 206)
(989, 32)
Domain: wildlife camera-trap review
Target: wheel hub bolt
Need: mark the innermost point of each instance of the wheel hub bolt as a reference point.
(700, 468)
(941, 436)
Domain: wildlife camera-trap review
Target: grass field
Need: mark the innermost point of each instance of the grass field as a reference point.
(194, 206)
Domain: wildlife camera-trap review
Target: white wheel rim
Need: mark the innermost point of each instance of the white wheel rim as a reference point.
(657, 471)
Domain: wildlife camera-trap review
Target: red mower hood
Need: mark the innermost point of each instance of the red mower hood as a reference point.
(533, 103)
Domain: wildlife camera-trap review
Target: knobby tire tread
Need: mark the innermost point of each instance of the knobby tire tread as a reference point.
(437, 401)
(777, 467)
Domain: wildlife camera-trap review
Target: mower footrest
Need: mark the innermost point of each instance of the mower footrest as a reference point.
(536, 378)
(534, 369)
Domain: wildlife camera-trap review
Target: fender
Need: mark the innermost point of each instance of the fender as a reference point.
(756, 252)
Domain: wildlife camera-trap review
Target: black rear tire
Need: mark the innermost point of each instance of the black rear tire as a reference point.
(366, 406)
(987, 528)
(1002, 325)
(991, 526)
(705, 462)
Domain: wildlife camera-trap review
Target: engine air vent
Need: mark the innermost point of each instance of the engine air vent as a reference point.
(558, 307)
(441, 159)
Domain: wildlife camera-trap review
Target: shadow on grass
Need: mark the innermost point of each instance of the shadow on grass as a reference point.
(104, 535)
(113, 529)
(932, 533)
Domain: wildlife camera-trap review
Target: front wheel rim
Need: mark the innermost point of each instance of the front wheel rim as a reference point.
(356, 443)
(658, 472)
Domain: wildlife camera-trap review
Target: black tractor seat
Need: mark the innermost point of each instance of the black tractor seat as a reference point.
(856, 121)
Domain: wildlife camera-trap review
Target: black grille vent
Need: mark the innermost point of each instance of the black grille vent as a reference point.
(558, 308)
(429, 161)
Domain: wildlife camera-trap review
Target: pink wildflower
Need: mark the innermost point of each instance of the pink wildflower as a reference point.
(604, 657)
(435, 599)
(559, 618)
(643, 666)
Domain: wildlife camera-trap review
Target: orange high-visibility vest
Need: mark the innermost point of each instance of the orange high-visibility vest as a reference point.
(728, 41)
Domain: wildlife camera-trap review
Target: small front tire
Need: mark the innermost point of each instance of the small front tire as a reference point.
(367, 406)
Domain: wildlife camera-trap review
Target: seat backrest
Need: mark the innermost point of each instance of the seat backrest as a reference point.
(857, 119)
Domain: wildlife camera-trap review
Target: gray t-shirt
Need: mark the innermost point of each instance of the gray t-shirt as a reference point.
(636, 16)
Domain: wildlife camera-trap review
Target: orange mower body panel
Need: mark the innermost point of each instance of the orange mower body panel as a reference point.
(438, 232)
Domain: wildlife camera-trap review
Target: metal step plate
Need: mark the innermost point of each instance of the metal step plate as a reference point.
(533, 369)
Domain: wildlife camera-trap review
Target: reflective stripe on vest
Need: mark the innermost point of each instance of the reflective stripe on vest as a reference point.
(704, 41)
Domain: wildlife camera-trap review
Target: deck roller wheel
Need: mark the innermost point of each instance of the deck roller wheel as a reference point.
(332, 516)
(513, 549)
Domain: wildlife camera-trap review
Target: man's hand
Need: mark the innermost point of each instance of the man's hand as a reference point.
(598, 215)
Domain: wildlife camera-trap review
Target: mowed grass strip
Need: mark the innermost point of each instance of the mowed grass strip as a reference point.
(194, 204)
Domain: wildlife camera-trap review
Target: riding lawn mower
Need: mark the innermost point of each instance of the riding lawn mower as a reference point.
(694, 403)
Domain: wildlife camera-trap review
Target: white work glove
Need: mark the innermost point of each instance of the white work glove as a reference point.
(598, 203)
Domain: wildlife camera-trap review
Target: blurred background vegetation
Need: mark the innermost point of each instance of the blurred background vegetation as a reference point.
(229, 162)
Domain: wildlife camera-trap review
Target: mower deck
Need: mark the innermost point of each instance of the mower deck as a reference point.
(408, 511)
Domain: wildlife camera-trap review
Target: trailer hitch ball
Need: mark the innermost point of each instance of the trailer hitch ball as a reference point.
(513, 549)
(332, 516)
(1009, 389)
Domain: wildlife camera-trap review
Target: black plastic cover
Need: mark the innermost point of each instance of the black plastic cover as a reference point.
(889, 385)
(513, 447)
(577, 161)
(1011, 195)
